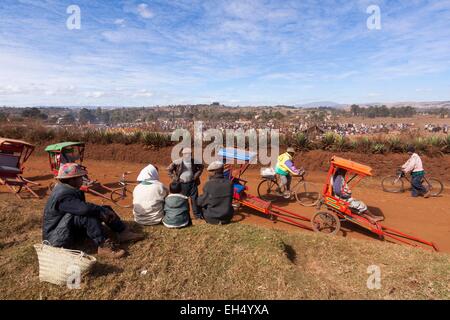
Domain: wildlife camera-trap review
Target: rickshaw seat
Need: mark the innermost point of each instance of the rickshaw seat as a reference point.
(9, 164)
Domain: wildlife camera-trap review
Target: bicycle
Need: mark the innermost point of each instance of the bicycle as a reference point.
(395, 184)
(119, 195)
(269, 189)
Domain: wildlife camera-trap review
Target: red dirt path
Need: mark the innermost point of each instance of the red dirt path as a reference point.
(425, 218)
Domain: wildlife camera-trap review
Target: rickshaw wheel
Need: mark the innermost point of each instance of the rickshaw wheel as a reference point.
(326, 222)
(121, 198)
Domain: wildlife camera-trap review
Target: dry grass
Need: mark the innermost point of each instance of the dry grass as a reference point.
(231, 262)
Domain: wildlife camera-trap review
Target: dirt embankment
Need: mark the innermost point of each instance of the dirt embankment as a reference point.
(312, 160)
(235, 261)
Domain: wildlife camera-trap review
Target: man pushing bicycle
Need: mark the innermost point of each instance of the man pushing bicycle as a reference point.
(414, 165)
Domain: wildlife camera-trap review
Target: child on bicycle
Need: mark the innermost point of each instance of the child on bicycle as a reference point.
(285, 168)
(414, 165)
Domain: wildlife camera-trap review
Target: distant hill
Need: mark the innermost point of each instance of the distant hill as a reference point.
(414, 104)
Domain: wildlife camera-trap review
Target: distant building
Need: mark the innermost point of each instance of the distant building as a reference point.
(313, 132)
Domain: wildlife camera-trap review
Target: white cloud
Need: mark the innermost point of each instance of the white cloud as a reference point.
(144, 93)
(95, 94)
(120, 22)
(144, 11)
(9, 90)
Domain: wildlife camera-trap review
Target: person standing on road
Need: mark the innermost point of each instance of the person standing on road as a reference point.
(415, 167)
(187, 172)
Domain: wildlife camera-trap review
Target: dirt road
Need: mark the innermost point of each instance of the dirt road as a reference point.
(425, 218)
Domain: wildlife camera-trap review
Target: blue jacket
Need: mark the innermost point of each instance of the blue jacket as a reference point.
(64, 203)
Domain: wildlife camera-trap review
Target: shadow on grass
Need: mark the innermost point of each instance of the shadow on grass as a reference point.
(102, 269)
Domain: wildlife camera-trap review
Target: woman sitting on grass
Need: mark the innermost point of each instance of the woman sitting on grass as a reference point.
(176, 208)
(148, 197)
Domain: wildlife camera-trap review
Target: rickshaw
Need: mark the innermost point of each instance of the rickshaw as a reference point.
(73, 152)
(236, 163)
(339, 210)
(13, 155)
(322, 221)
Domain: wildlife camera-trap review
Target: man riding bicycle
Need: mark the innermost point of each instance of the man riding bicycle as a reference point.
(285, 168)
(414, 165)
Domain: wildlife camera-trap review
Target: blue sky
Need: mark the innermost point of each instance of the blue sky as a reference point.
(238, 52)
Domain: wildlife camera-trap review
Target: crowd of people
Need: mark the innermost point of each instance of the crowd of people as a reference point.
(67, 215)
(431, 127)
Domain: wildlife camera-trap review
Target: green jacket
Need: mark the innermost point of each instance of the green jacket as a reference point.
(176, 211)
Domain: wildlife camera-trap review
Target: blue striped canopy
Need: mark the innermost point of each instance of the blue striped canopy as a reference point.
(238, 154)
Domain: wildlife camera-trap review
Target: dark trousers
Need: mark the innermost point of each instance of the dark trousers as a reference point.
(190, 189)
(416, 186)
(93, 227)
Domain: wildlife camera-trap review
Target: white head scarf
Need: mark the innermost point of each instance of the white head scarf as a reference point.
(149, 173)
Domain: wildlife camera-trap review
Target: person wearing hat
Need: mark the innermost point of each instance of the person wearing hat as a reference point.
(415, 167)
(217, 198)
(187, 172)
(285, 168)
(67, 214)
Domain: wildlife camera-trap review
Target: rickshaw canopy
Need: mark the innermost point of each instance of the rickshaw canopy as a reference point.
(23, 149)
(351, 166)
(62, 145)
(237, 154)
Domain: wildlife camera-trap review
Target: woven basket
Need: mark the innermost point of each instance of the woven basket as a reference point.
(55, 264)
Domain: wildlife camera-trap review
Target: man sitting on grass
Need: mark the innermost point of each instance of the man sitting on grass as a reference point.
(67, 214)
(217, 198)
(176, 208)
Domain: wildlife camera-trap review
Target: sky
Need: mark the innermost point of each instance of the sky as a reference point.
(237, 52)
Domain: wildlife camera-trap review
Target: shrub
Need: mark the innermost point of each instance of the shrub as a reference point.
(302, 142)
(155, 139)
(328, 140)
(420, 144)
(341, 143)
(363, 145)
(395, 144)
(378, 148)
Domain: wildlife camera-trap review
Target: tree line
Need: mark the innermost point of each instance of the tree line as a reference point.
(382, 111)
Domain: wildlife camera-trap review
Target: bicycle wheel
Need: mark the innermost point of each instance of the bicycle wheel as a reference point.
(122, 198)
(434, 186)
(392, 184)
(268, 190)
(326, 222)
(305, 195)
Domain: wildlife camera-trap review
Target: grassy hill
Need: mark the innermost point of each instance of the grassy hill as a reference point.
(229, 262)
